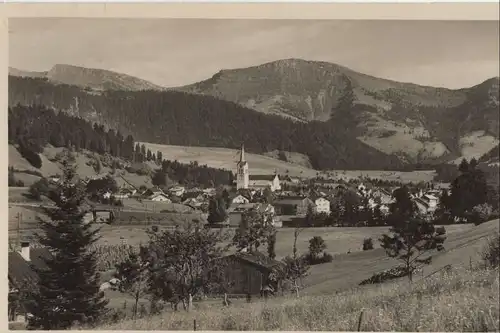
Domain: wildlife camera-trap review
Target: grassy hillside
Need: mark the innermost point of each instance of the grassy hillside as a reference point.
(82, 160)
(227, 158)
(459, 299)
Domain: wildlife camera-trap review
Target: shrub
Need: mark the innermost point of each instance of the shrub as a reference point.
(316, 246)
(318, 259)
(13, 182)
(367, 244)
(31, 156)
(36, 190)
(491, 252)
(481, 213)
(389, 274)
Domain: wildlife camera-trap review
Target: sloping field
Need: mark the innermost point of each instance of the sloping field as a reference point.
(347, 270)
(50, 168)
(226, 159)
(461, 300)
(400, 176)
(259, 164)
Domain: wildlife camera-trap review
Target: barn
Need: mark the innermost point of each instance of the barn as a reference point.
(247, 273)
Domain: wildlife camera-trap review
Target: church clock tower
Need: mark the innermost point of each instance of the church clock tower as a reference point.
(242, 171)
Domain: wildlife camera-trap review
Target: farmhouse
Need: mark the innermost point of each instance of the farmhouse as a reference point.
(431, 201)
(293, 206)
(248, 273)
(240, 199)
(160, 197)
(326, 183)
(22, 276)
(236, 212)
(291, 180)
(178, 191)
(383, 196)
(321, 205)
(125, 193)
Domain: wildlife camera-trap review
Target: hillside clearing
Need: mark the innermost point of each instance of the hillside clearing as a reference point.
(82, 159)
(224, 158)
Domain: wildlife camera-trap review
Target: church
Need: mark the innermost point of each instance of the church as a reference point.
(256, 182)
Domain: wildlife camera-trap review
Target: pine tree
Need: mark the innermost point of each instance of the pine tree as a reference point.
(68, 289)
(410, 239)
(159, 157)
(271, 246)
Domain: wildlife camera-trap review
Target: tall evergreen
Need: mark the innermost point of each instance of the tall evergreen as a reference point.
(68, 289)
(469, 189)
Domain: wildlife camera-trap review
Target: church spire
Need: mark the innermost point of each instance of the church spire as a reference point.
(242, 153)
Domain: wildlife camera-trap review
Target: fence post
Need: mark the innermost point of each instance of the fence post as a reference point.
(360, 320)
(194, 324)
(470, 263)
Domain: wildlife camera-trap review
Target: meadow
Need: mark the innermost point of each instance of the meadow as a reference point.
(458, 300)
(226, 159)
(259, 164)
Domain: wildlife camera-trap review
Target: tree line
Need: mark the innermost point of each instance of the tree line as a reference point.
(31, 128)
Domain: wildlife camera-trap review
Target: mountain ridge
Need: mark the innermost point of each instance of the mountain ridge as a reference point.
(393, 117)
(89, 78)
(414, 122)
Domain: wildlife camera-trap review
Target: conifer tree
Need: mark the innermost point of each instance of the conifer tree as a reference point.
(68, 288)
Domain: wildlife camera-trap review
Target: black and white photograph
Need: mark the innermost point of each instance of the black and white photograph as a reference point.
(231, 174)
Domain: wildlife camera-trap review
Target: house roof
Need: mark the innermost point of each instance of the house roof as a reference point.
(317, 197)
(430, 197)
(261, 177)
(20, 270)
(290, 201)
(257, 258)
(235, 208)
(155, 195)
(192, 195)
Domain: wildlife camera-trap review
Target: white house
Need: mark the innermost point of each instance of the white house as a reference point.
(322, 205)
(240, 199)
(431, 200)
(125, 193)
(159, 197)
(177, 191)
(236, 212)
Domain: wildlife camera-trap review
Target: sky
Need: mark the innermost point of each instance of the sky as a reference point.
(176, 52)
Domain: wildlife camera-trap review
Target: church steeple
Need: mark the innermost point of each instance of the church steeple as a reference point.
(242, 153)
(242, 175)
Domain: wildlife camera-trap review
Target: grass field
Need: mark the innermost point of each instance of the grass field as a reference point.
(400, 176)
(457, 302)
(259, 164)
(462, 299)
(226, 159)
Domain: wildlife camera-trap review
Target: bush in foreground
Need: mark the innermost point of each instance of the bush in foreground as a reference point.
(491, 252)
(367, 244)
(461, 301)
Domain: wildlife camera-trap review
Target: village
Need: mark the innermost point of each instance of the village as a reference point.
(287, 199)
